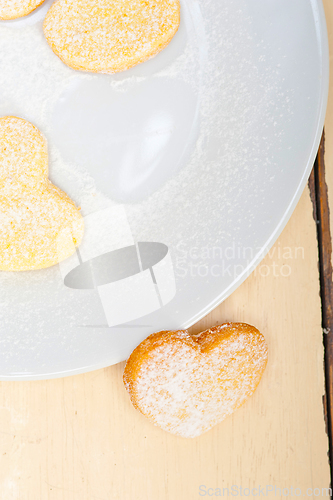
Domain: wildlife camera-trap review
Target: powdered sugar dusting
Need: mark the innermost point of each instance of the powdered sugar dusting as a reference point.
(249, 104)
(108, 37)
(39, 225)
(187, 385)
(12, 9)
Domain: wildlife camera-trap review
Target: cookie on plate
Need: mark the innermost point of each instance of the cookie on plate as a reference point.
(39, 224)
(106, 36)
(187, 384)
(13, 9)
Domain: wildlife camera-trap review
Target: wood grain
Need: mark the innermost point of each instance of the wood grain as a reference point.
(321, 213)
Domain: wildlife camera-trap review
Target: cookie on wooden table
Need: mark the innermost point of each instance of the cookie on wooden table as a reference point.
(187, 384)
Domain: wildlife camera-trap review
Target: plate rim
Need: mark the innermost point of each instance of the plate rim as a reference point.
(322, 37)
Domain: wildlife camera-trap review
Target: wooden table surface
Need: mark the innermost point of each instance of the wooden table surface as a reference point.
(79, 438)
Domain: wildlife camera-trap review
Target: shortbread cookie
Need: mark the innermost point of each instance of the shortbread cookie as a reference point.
(12, 9)
(39, 223)
(107, 36)
(187, 384)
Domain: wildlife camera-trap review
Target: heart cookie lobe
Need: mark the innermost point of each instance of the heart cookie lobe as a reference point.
(106, 36)
(39, 224)
(186, 384)
(13, 9)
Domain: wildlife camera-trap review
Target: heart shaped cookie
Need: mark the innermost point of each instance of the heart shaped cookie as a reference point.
(39, 223)
(12, 9)
(109, 36)
(187, 384)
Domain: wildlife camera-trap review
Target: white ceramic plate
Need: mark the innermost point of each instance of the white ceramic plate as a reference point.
(187, 167)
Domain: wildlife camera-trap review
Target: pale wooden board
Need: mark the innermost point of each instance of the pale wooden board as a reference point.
(80, 438)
